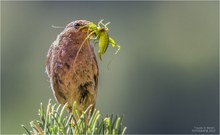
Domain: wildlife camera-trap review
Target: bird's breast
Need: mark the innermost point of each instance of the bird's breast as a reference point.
(75, 76)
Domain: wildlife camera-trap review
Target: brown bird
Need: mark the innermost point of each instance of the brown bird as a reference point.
(73, 75)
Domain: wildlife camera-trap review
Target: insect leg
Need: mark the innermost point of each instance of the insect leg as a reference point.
(119, 47)
(96, 39)
(105, 25)
(100, 22)
(114, 44)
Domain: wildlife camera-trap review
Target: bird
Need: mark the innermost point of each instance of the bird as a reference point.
(72, 67)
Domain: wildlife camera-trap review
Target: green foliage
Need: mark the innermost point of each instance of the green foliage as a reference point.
(54, 121)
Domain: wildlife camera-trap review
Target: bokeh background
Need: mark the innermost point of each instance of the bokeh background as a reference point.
(164, 79)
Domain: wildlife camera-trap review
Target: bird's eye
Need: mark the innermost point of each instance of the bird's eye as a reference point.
(77, 25)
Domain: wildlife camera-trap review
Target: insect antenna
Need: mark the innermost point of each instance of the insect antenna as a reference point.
(86, 39)
(57, 27)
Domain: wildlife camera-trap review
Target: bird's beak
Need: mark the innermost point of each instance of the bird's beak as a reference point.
(84, 28)
(88, 27)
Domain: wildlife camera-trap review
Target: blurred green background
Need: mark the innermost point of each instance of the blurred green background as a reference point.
(164, 79)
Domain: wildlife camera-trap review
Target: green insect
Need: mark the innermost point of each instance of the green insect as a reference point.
(101, 34)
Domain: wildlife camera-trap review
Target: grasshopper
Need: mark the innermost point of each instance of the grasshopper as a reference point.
(101, 34)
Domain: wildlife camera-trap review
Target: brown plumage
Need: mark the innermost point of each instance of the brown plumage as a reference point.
(73, 78)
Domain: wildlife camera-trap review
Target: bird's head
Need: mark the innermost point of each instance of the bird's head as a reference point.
(78, 25)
